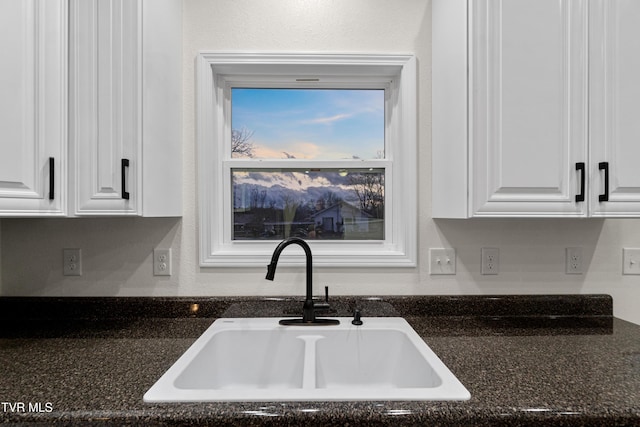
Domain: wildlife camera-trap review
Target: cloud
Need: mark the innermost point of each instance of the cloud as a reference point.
(328, 120)
(292, 180)
(286, 149)
(265, 152)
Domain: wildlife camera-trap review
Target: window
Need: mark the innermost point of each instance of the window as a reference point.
(304, 125)
(317, 146)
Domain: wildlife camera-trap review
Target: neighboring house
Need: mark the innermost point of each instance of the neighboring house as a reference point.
(343, 218)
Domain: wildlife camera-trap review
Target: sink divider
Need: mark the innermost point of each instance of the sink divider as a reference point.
(309, 369)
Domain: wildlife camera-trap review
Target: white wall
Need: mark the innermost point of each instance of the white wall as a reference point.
(117, 252)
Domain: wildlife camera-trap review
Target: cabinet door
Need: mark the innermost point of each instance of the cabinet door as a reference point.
(105, 113)
(33, 107)
(615, 108)
(528, 106)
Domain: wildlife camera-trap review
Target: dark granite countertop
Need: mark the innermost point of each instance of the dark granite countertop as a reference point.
(526, 360)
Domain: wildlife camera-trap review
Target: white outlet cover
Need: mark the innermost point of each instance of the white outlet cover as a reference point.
(442, 261)
(630, 261)
(72, 262)
(574, 260)
(162, 262)
(490, 261)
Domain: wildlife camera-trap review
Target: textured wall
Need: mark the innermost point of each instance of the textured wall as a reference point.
(117, 252)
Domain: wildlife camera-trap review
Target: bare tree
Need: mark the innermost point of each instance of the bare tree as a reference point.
(369, 188)
(241, 146)
(331, 198)
(257, 198)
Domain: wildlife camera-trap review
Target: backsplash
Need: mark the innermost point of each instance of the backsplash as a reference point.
(498, 306)
(477, 315)
(117, 261)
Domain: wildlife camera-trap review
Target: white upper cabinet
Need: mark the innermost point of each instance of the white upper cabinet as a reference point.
(529, 98)
(105, 105)
(91, 107)
(33, 118)
(125, 107)
(615, 108)
(527, 106)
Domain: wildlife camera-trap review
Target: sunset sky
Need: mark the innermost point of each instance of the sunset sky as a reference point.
(311, 123)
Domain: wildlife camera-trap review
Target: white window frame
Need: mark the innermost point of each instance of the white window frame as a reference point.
(217, 72)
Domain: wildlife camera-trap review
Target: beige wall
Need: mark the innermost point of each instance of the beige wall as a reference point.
(117, 252)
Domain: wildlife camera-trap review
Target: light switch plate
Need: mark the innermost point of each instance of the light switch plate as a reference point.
(442, 261)
(630, 261)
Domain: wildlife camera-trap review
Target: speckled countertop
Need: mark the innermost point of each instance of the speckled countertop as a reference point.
(526, 360)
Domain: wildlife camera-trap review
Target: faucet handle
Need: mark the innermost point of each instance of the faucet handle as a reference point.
(323, 305)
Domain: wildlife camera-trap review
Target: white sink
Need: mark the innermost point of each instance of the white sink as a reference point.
(256, 359)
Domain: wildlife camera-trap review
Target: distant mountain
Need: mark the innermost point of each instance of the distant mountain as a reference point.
(274, 189)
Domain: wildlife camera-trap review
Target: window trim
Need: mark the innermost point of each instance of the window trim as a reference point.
(213, 72)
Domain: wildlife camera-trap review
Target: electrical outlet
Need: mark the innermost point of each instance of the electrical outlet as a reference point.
(442, 261)
(490, 261)
(631, 261)
(162, 262)
(72, 262)
(573, 260)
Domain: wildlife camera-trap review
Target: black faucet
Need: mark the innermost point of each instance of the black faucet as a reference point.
(309, 307)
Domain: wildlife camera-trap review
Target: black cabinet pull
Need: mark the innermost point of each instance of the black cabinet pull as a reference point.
(124, 166)
(605, 167)
(580, 196)
(52, 177)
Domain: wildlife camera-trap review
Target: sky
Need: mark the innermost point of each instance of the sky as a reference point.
(319, 124)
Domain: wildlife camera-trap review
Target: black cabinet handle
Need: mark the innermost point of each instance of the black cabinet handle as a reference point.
(52, 177)
(580, 196)
(605, 167)
(124, 165)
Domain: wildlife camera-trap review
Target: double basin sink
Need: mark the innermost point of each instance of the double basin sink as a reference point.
(256, 359)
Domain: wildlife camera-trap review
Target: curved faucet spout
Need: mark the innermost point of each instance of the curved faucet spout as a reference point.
(308, 310)
(271, 268)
